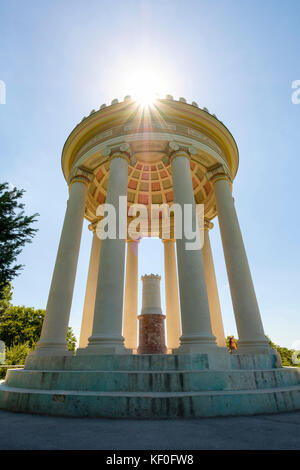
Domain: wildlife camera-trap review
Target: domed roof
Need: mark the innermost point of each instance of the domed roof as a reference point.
(148, 130)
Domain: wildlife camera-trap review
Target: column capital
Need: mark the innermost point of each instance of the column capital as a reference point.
(131, 240)
(208, 225)
(178, 149)
(165, 240)
(93, 225)
(219, 172)
(80, 174)
(118, 151)
(96, 228)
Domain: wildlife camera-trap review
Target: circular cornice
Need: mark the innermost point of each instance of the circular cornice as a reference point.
(167, 111)
(148, 137)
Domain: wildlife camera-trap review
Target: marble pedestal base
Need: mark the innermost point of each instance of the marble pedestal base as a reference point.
(151, 386)
(152, 334)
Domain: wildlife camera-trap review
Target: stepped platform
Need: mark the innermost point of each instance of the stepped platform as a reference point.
(152, 386)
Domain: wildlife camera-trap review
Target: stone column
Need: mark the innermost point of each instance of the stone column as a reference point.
(172, 300)
(107, 326)
(212, 288)
(197, 333)
(55, 326)
(131, 296)
(90, 293)
(248, 320)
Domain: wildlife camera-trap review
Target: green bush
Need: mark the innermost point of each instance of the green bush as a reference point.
(23, 325)
(15, 355)
(285, 353)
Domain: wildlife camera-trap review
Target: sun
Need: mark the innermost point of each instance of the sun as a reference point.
(145, 97)
(144, 79)
(146, 84)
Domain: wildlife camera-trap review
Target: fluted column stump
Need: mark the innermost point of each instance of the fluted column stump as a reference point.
(151, 320)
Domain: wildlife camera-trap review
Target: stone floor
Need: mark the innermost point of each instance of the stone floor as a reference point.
(22, 431)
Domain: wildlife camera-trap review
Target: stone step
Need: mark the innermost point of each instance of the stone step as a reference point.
(150, 405)
(153, 381)
(152, 362)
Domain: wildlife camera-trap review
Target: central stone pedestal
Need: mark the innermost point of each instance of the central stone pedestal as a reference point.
(151, 321)
(152, 334)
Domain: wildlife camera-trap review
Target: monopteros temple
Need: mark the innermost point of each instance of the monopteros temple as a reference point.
(130, 156)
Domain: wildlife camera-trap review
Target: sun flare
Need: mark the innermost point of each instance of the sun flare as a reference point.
(146, 84)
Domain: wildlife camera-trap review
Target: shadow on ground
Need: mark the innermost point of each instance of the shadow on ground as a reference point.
(24, 431)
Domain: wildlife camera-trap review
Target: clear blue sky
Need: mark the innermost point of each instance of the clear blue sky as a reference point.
(62, 58)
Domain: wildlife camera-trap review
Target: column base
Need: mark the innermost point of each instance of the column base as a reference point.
(254, 347)
(51, 349)
(196, 344)
(105, 345)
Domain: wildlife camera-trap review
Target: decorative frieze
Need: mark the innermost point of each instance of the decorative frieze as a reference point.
(205, 139)
(157, 125)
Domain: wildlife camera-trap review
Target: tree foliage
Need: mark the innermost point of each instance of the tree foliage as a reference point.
(23, 325)
(20, 324)
(5, 298)
(285, 353)
(15, 355)
(15, 231)
(228, 338)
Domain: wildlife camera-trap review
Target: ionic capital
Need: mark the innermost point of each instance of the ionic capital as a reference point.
(177, 149)
(131, 240)
(120, 151)
(208, 225)
(81, 175)
(217, 173)
(93, 225)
